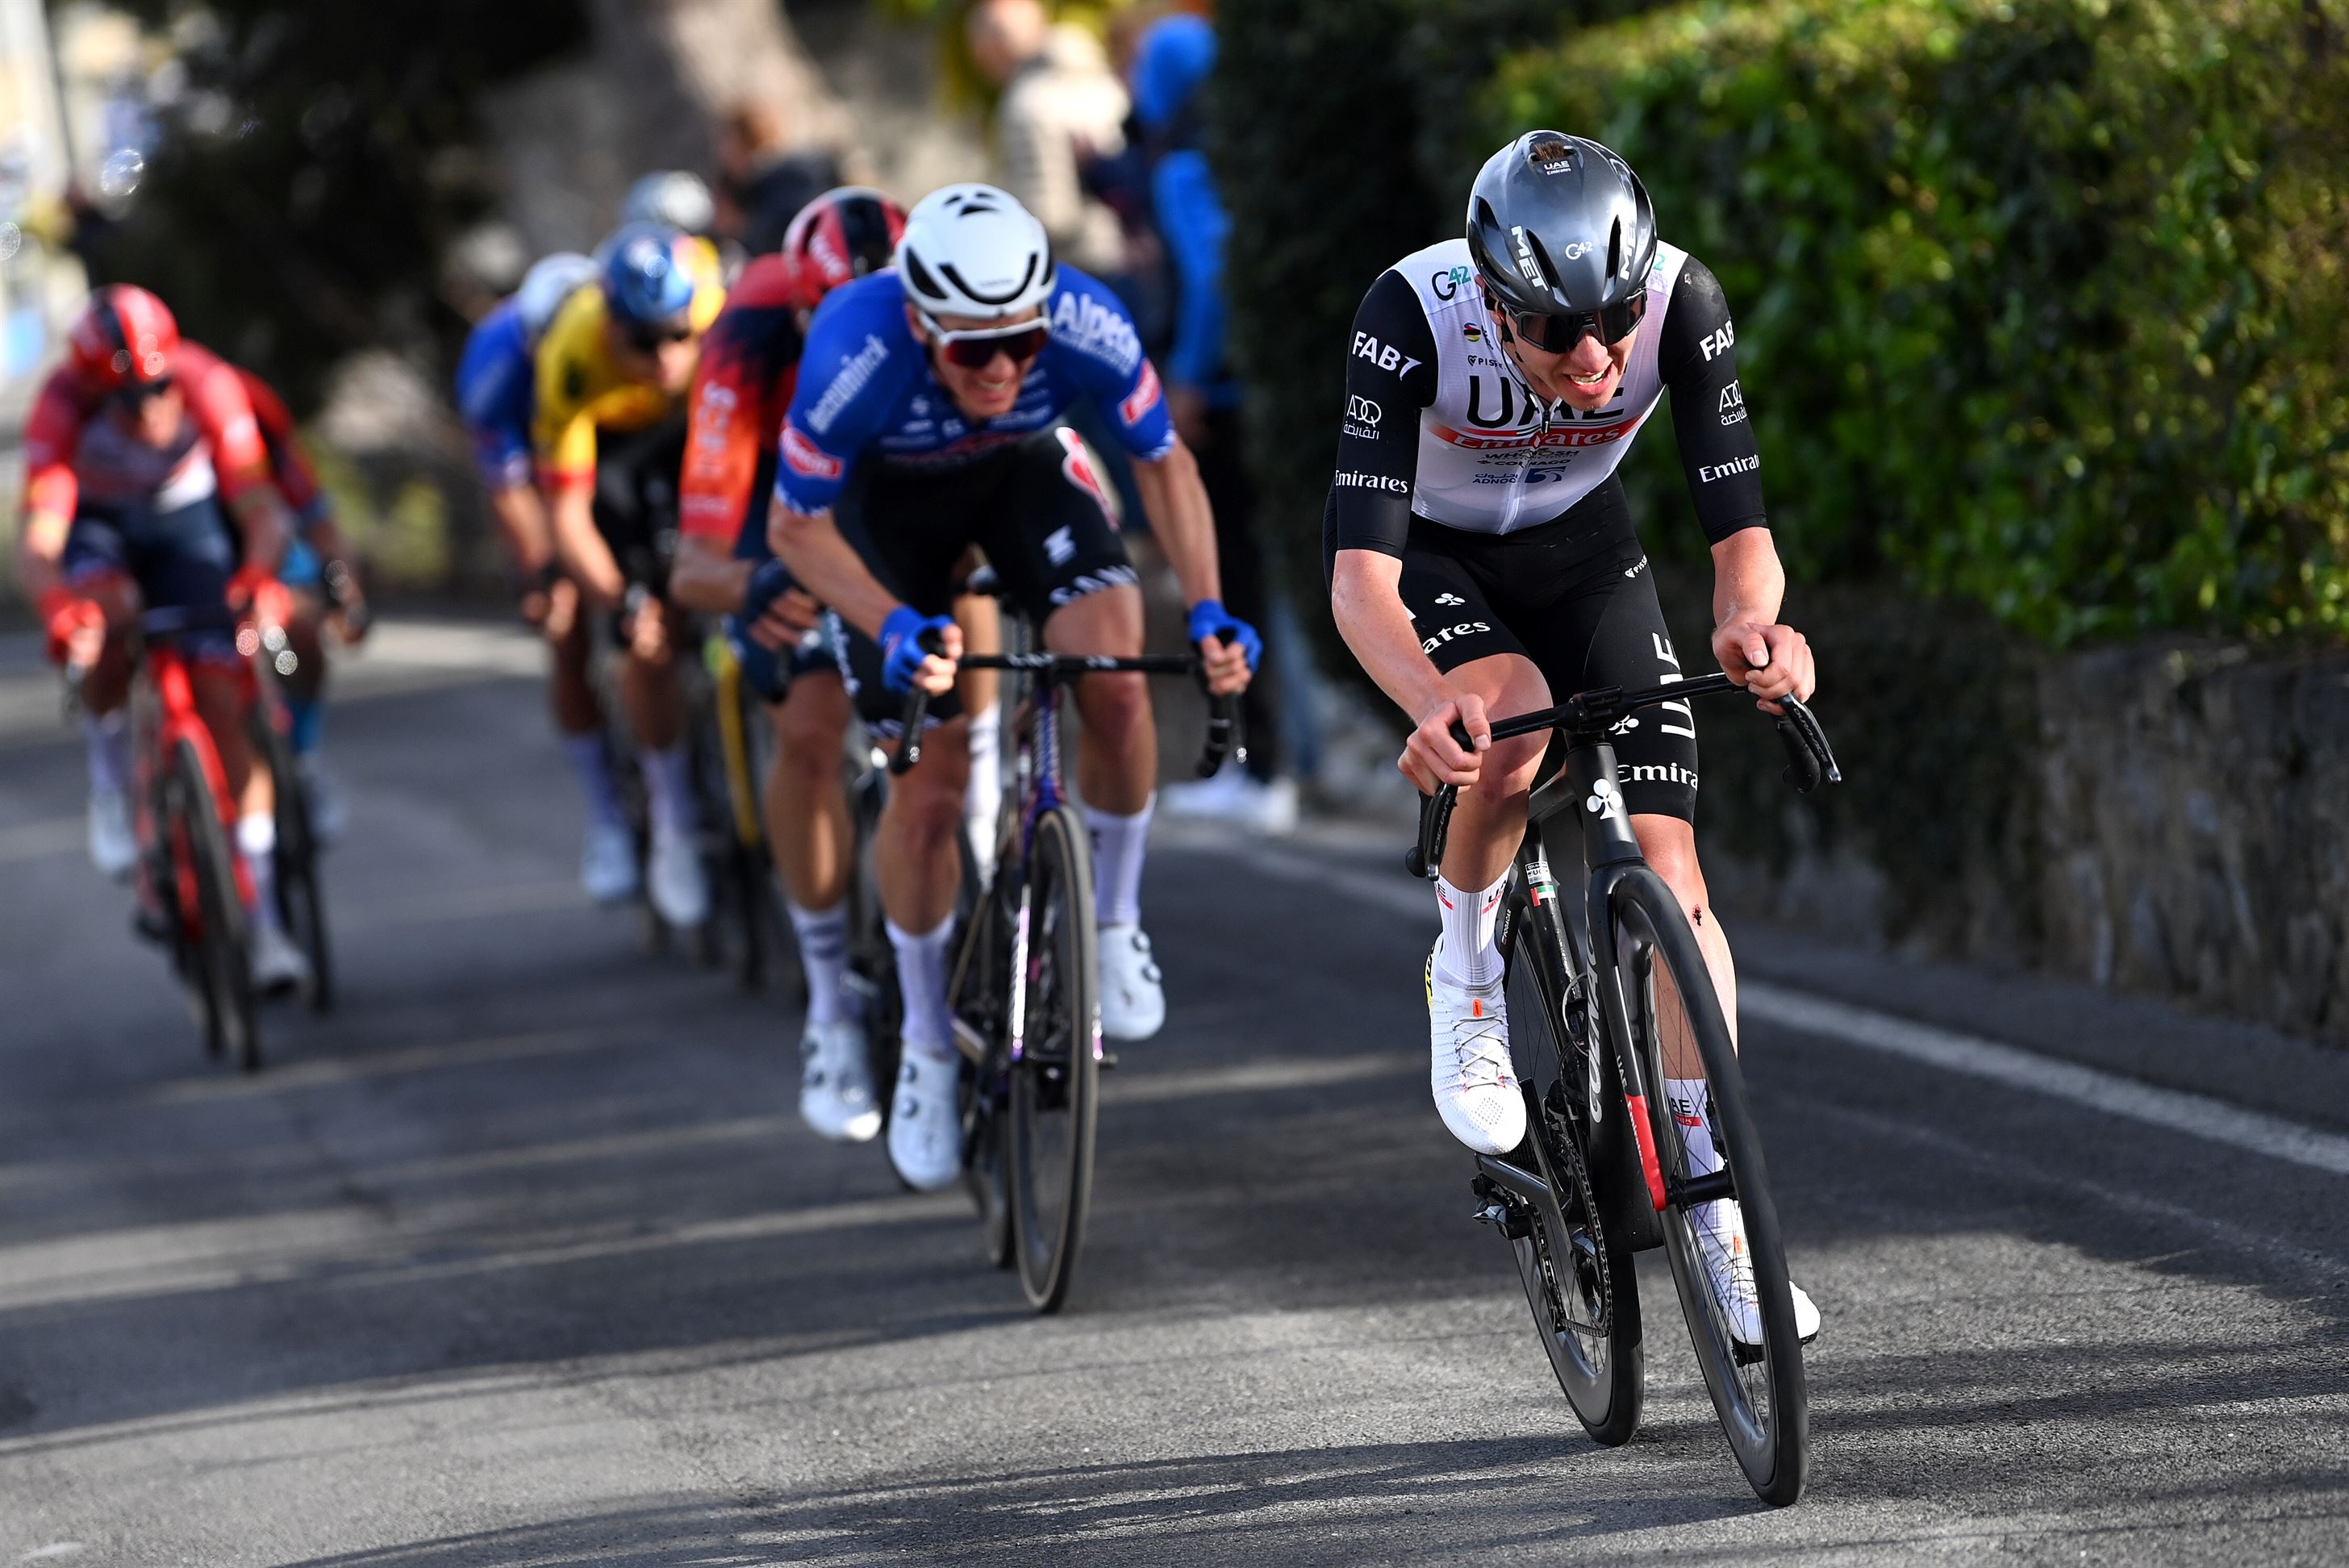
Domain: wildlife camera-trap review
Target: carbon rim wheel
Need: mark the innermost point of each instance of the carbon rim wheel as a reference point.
(171, 865)
(1579, 1283)
(1758, 1392)
(300, 904)
(220, 939)
(1055, 1084)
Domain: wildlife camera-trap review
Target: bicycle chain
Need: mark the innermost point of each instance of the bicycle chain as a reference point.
(1562, 1133)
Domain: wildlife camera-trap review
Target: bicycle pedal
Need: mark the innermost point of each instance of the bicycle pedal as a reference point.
(1491, 1215)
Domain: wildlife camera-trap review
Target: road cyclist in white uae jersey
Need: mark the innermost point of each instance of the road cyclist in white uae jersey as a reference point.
(1482, 562)
(946, 376)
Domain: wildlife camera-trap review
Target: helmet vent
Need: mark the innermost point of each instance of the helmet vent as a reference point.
(1615, 248)
(923, 283)
(1027, 276)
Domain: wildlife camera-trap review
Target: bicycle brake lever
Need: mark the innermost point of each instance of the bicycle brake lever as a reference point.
(1799, 731)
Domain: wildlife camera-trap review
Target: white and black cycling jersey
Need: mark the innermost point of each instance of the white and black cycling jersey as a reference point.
(1439, 423)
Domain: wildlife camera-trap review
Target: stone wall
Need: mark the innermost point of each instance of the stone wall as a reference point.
(2168, 816)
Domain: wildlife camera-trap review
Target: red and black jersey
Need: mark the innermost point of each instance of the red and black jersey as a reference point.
(749, 370)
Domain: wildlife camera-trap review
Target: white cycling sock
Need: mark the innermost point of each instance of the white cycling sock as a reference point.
(982, 797)
(823, 958)
(1688, 1098)
(256, 838)
(668, 786)
(588, 761)
(1469, 957)
(922, 981)
(108, 737)
(1118, 846)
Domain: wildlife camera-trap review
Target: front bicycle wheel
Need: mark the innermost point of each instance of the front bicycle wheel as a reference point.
(220, 938)
(1758, 1390)
(300, 905)
(1578, 1279)
(1055, 1083)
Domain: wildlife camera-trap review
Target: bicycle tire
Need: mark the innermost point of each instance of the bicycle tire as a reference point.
(1578, 1278)
(170, 873)
(221, 940)
(1055, 1085)
(1764, 1414)
(301, 904)
(977, 1001)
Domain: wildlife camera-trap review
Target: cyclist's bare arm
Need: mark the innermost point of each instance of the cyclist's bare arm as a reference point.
(1749, 590)
(571, 511)
(811, 546)
(521, 517)
(1176, 501)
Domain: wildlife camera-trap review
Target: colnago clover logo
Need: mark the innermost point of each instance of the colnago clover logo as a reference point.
(1604, 799)
(1450, 599)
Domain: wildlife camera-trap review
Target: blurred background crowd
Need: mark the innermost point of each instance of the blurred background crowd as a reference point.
(2043, 302)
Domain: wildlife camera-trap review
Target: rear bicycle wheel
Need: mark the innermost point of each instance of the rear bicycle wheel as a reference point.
(1578, 1279)
(220, 939)
(300, 905)
(1758, 1390)
(1055, 1084)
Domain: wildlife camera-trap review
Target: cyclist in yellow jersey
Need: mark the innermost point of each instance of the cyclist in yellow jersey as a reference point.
(609, 438)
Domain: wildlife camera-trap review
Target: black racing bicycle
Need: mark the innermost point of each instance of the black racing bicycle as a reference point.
(1024, 984)
(1601, 983)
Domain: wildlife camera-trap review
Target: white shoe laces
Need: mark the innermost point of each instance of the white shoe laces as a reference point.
(1480, 1054)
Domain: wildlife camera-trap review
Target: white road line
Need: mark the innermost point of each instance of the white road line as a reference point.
(2178, 1111)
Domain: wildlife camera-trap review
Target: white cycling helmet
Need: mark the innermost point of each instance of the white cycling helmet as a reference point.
(546, 285)
(974, 251)
(670, 196)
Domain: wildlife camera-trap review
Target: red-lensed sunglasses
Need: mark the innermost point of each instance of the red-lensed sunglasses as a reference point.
(976, 349)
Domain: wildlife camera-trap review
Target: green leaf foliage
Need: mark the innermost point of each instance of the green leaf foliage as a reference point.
(2040, 303)
(322, 158)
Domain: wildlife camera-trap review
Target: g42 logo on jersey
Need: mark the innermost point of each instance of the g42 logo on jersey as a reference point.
(1448, 284)
(1386, 357)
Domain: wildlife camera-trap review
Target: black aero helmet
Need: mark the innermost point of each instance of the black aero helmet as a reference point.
(1560, 226)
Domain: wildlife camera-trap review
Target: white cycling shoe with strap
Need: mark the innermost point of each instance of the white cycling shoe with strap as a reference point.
(1719, 1228)
(1133, 994)
(1475, 1084)
(836, 1097)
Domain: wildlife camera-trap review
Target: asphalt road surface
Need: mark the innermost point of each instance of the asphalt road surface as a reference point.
(524, 1258)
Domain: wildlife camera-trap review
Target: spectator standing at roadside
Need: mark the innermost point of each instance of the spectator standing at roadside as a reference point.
(1060, 105)
(1170, 67)
(763, 183)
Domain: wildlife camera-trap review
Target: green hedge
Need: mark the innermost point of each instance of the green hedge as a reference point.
(2042, 303)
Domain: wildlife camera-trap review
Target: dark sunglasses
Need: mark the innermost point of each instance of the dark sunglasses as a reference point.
(1559, 334)
(978, 353)
(648, 338)
(135, 394)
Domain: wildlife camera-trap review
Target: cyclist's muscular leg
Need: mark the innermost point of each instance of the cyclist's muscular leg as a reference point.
(914, 852)
(1669, 846)
(107, 684)
(571, 692)
(806, 808)
(648, 682)
(1117, 750)
(222, 703)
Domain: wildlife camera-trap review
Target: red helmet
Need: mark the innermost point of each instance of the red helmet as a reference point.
(124, 337)
(841, 235)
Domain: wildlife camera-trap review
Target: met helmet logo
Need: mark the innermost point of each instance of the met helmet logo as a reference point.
(1527, 262)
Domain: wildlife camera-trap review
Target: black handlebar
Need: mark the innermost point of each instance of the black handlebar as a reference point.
(1226, 739)
(1809, 760)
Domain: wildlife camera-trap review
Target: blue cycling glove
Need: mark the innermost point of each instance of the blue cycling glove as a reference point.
(770, 583)
(1210, 619)
(901, 645)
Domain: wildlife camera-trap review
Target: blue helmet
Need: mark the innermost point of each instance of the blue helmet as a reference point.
(646, 277)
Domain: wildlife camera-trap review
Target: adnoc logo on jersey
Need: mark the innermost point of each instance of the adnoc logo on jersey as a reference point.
(806, 458)
(851, 379)
(1092, 329)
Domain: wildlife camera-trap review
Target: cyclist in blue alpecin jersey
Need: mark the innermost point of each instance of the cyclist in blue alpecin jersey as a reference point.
(946, 378)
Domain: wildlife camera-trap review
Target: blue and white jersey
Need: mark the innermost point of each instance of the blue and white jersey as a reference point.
(865, 386)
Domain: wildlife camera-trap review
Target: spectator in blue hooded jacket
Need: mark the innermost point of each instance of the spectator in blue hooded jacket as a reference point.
(1170, 67)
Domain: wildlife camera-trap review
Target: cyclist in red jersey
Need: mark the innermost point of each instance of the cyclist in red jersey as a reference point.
(133, 446)
(321, 572)
(750, 368)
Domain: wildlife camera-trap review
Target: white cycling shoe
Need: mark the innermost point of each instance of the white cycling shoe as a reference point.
(607, 862)
(113, 846)
(836, 1083)
(680, 888)
(278, 967)
(1719, 1228)
(924, 1124)
(1475, 1083)
(1132, 995)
